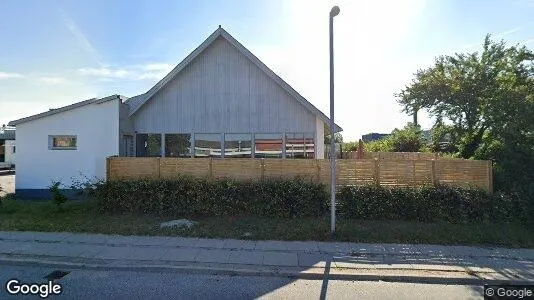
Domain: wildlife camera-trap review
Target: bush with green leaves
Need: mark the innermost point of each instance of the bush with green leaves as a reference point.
(192, 197)
(85, 186)
(429, 204)
(57, 196)
(187, 196)
(408, 139)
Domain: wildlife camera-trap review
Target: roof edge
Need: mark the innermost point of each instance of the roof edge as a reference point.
(184, 63)
(66, 108)
(227, 36)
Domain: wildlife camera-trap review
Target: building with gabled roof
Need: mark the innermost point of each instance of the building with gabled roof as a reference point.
(220, 101)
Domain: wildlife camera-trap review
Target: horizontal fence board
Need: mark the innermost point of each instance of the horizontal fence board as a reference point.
(171, 167)
(237, 168)
(132, 168)
(386, 172)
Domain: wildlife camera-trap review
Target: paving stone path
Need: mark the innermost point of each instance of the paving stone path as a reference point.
(293, 257)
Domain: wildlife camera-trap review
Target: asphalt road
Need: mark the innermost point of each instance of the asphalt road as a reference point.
(112, 284)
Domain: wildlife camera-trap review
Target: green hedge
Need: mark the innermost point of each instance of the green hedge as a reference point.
(185, 196)
(429, 204)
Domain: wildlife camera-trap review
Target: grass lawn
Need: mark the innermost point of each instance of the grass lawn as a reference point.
(82, 217)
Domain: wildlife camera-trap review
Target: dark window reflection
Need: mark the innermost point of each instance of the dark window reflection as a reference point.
(178, 145)
(148, 145)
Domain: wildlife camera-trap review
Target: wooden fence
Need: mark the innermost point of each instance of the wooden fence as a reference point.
(348, 172)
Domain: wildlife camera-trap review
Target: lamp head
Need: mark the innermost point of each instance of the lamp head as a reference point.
(334, 11)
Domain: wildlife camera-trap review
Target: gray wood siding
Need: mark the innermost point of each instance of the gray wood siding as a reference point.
(222, 91)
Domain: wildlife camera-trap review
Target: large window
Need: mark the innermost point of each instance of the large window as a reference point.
(148, 145)
(300, 145)
(62, 142)
(237, 145)
(178, 145)
(295, 145)
(268, 145)
(207, 145)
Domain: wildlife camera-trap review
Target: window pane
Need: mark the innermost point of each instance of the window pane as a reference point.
(177, 145)
(268, 145)
(237, 145)
(64, 142)
(310, 145)
(207, 145)
(67, 142)
(140, 141)
(148, 145)
(295, 146)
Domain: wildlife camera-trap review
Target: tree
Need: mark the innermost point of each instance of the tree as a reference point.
(407, 139)
(484, 104)
(338, 138)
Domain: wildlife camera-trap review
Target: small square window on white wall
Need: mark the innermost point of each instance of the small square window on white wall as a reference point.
(62, 142)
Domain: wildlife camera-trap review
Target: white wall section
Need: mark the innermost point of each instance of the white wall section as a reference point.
(96, 127)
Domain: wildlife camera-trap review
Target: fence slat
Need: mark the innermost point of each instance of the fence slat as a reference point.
(433, 173)
(490, 176)
(377, 170)
(158, 167)
(387, 172)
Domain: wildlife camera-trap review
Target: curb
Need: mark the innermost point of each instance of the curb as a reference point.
(333, 252)
(406, 276)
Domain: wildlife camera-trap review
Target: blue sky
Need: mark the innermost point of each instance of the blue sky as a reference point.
(53, 53)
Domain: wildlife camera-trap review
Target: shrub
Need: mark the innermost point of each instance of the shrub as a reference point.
(85, 186)
(57, 197)
(187, 196)
(512, 207)
(191, 197)
(407, 139)
(429, 204)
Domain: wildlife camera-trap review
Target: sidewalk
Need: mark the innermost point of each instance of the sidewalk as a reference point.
(354, 261)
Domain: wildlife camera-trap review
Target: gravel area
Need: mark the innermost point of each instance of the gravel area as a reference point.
(7, 182)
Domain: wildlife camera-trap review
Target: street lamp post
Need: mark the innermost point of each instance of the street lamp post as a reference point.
(333, 12)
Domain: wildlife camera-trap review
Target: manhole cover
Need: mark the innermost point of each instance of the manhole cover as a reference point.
(57, 274)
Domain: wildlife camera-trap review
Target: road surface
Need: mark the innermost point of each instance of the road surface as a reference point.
(112, 284)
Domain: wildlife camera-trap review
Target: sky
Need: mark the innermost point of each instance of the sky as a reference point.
(55, 53)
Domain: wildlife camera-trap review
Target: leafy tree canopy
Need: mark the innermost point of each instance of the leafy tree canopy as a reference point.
(407, 139)
(483, 102)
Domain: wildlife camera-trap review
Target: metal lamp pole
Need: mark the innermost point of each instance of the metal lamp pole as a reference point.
(333, 12)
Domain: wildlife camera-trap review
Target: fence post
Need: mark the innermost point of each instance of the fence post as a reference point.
(490, 176)
(158, 162)
(210, 168)
(318, 171)
(433, 173)
(262, 169)
(377, 171)
(413, 172)
(108, 171)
